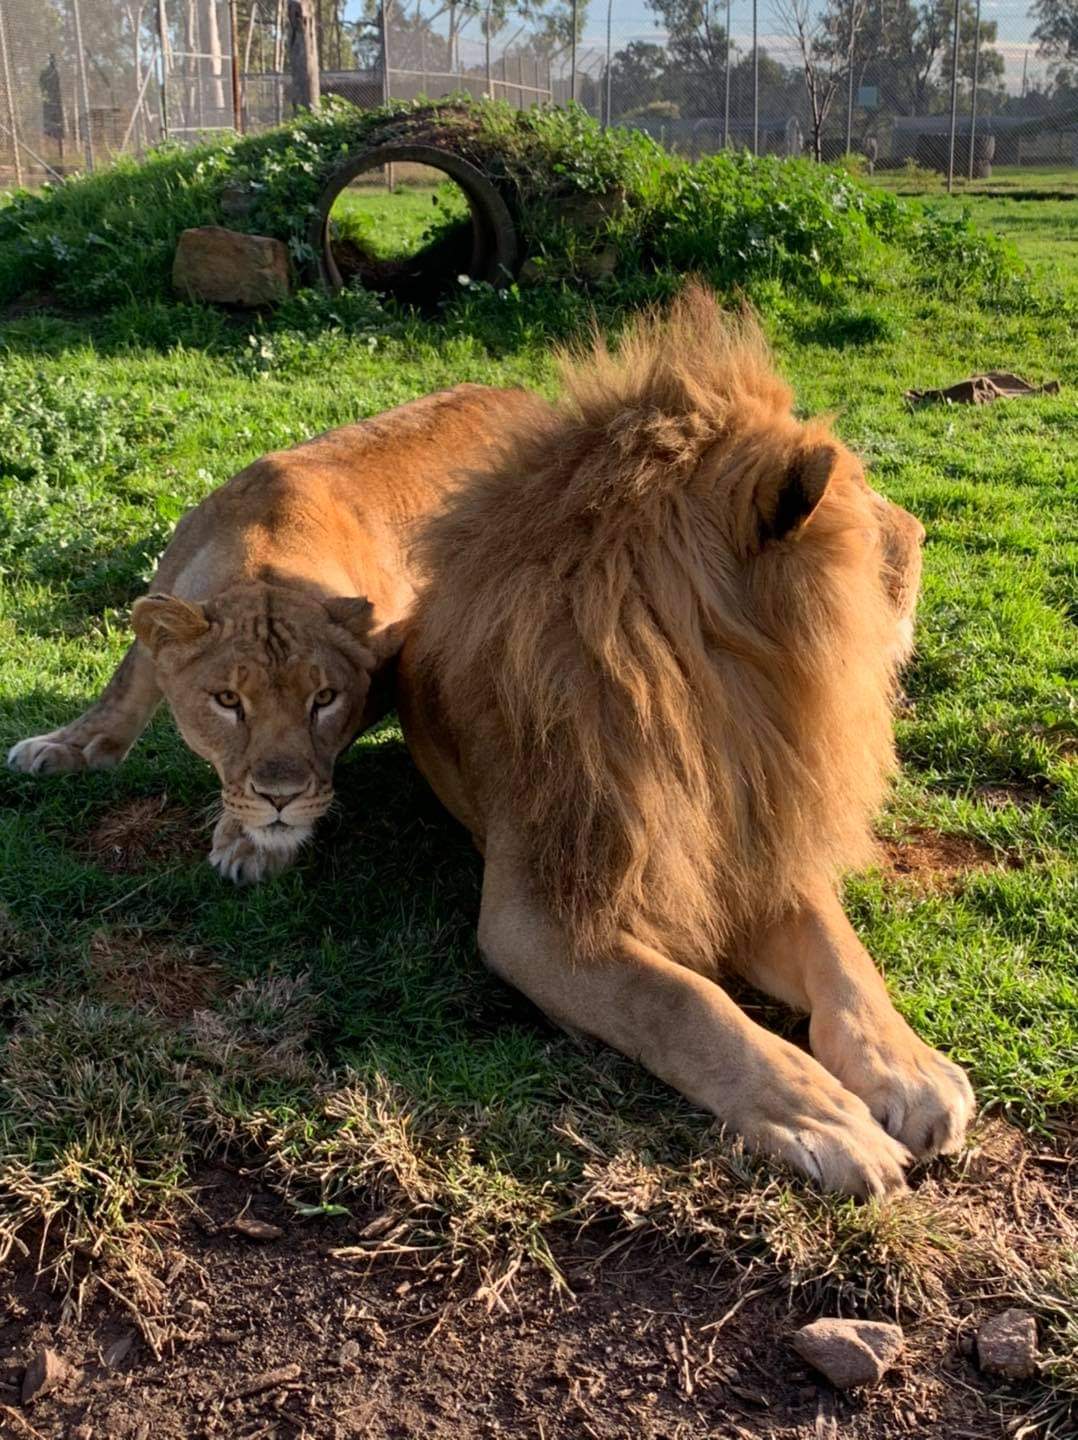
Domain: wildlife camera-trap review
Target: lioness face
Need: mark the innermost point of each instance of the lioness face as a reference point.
(270, 688)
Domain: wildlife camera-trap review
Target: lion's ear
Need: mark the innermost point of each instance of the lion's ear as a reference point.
(157, 619)
(352, 613)
(785, 505)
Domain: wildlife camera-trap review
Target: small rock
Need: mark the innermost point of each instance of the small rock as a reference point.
(348, 1355)
(849, 1352)
(254, 1228)
(44, 1372)
(1007, 1345)
(228, 268)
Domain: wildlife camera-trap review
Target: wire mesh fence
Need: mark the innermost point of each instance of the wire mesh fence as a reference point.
(83, 81)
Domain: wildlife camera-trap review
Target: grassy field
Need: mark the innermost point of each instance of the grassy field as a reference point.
(1041, 180)
(336, 1026)
(391, 225)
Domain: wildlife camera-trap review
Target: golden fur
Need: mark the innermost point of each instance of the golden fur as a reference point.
(289, 584)
(651, 669)
(693, 718)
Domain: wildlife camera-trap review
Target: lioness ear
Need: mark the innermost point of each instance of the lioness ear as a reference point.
(785, 505)
(156, 619)
(352, 613)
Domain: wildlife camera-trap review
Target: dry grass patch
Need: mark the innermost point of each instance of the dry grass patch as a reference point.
(145, 833)
(129, 967)
(933, 861)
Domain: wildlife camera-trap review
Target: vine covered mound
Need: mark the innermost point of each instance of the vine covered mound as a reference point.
(739, 221)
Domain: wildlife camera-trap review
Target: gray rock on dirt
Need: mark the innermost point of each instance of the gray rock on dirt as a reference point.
(849, 1352)
(228, 268)
(1007, 1345)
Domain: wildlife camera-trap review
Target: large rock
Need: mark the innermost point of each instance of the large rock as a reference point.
(228, 268)
(849, 1352)
(1007, 1345)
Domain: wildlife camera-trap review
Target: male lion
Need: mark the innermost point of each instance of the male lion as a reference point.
(277, 602)
(651, 669)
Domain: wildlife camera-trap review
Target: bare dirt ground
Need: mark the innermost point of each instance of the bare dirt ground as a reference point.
(284, 1339)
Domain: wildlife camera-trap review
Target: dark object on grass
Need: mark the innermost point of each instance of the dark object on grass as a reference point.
(484, 247)
(849, 1352)
(227, 268)
(982, 390)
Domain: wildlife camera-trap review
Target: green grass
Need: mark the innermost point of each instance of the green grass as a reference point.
(347, 1036)
(391, 226)
(1004, 179)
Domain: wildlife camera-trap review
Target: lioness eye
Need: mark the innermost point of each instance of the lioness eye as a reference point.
(228, 698)
(324, 697)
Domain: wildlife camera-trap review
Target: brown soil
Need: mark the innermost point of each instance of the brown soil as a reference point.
(931, 860)
(145, 833)
(289, 1338)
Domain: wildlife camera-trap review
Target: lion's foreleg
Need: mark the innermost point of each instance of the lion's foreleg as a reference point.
(687, 1031)
(103, 734)
(814, 961)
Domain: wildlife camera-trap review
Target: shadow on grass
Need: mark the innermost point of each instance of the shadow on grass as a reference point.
(380, 912)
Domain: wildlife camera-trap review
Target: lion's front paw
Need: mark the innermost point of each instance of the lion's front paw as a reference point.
(827, 1133)
(917, 1095)
(236, 857)
(43, 755)
(57, 755)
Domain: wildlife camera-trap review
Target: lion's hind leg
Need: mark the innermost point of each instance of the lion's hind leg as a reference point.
(100, 737)
(814, 962)
(687, 1031)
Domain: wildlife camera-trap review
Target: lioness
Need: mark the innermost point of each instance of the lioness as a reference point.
(651, 669)
(277, 602)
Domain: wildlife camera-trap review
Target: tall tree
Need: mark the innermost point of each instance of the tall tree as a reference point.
(696, 52)
(1056, 30)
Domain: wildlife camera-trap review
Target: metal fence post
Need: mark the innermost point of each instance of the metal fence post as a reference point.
(234, 41)
(572, 53)
(609, 18)
(756, 81)
(10, 98)
(84, 89)
(162, 40)
(954, 100)
(486, 27)
(383, 35)
(726, 86)
(849, 87)
(973, 98)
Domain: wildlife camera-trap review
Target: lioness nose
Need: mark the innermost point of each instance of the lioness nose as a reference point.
(279, 797)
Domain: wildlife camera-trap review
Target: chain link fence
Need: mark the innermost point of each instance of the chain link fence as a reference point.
(84, 81)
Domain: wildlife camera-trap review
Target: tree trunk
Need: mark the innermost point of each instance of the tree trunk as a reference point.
(212, 41)
(303, 55)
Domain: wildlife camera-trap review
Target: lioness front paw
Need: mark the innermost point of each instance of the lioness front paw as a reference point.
(827, 1133)
(917, 1094)
(236, 857)
(56, 755)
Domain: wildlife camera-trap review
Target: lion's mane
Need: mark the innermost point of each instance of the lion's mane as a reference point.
(687, 720)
